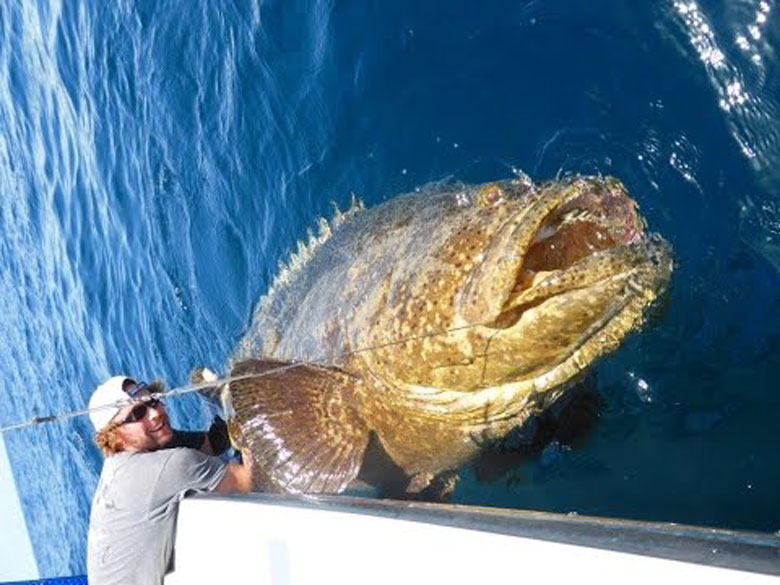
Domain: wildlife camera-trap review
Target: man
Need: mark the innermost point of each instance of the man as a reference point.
(145, 475)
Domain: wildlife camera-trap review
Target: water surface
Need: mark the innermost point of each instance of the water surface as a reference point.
(158, 159)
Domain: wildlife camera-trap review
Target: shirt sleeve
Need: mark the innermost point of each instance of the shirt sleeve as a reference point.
(187, 470)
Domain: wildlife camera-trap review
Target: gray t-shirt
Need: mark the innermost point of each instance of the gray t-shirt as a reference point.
(133, 521)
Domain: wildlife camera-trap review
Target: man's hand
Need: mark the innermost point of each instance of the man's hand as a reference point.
(238, 477)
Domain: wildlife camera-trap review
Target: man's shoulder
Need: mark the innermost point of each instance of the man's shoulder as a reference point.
(168, 459)
(160, 456)
(185, 468)
(136, 465)
(169, 466)
(182, 456)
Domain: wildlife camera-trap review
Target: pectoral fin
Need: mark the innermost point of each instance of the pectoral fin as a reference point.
(301, 424)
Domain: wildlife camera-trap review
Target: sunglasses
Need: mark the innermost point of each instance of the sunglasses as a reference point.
(139, 412)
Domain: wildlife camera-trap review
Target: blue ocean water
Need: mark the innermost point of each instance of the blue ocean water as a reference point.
(159, 158)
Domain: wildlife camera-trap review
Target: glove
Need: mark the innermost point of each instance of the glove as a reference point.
(189, 439)
(218, 436)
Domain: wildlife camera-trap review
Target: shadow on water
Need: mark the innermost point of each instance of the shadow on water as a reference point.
(564, 426)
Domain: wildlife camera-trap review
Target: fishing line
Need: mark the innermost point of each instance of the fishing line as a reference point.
(181, 390)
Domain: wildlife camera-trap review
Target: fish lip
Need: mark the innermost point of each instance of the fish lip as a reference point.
(622, 314)
(634, 300)
(605, 203)
(602, 204)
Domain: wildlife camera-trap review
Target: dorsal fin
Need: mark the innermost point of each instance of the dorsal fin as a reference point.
(304, 250)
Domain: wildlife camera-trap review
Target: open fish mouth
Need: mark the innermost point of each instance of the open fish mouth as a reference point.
(581, 226)
(573, 236)
(596, 235)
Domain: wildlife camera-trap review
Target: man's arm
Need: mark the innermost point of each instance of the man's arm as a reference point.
(197, 440)
(238, 477)
(215, 441)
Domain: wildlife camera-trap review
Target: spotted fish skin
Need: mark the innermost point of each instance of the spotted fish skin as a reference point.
(504, 292)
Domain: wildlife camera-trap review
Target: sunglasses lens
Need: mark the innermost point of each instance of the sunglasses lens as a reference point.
(140, 411)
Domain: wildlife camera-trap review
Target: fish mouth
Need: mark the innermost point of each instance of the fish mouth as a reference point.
(574, 235)
(595, 235)
(593, 220)
(562, 283)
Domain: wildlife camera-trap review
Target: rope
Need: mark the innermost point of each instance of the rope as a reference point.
(181, 390)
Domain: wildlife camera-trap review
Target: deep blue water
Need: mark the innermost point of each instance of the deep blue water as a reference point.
(158, 159)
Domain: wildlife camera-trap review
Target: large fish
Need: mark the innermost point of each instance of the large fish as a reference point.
(445, 318)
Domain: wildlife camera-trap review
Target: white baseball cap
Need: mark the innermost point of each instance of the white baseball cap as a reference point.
(110, 397)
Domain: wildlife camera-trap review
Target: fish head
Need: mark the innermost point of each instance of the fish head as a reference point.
(562, 282)
(538, 282)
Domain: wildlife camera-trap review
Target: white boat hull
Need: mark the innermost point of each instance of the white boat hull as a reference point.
(276, 540)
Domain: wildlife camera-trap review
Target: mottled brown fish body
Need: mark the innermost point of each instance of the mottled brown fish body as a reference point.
(504, 293)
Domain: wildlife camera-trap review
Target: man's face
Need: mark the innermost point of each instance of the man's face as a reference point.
(149, 432)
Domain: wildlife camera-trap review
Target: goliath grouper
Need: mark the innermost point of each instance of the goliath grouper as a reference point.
(504, 294)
